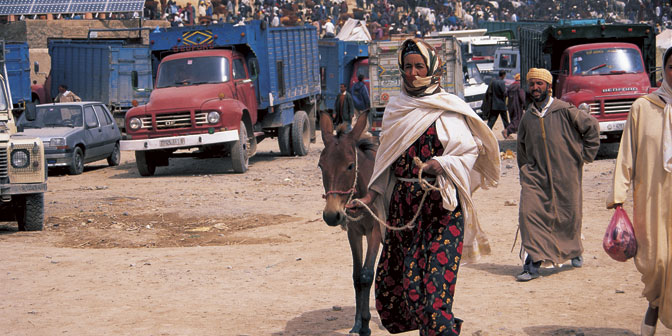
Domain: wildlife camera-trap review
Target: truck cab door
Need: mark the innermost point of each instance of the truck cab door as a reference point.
(244, 85)
(560, 87)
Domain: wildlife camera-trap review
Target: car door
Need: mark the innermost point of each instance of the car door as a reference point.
(93, 135)
(244, 85)
(110, 133)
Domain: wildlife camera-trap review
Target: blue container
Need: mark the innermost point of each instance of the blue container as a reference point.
(336, 65)
(17, 60)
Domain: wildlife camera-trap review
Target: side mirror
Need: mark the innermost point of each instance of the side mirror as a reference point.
(31, 112)
(36, 67)
(91, 124)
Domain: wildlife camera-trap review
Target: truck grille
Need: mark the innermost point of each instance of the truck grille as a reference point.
(3, 160)
(175, 120)
(612, 106)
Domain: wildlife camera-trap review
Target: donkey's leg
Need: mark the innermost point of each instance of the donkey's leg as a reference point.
(373, 240)
(355, 239)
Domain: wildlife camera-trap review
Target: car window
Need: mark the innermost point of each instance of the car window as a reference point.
(102, 116)
(238, 69)
(90, 116)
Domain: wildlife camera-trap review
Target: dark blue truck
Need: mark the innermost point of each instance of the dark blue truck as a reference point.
(340, 63)
(17, 61)
(117, 72)
(220, 89)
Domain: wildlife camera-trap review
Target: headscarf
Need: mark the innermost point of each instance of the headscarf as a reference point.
(665, 92)
(421, 86)
(542, 74)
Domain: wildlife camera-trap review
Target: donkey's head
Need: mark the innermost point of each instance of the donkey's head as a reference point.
(344, 160)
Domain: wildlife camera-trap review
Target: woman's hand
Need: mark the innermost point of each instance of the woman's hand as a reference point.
(433, 167)
(615, 205)
(368, 199)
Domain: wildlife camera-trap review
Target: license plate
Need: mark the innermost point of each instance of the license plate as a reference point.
(51, 161)
(171, 142)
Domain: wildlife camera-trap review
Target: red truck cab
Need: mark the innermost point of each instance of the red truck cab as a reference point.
(200, 99)
(605, 79)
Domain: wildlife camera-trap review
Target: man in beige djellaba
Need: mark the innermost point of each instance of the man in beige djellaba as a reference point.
(644, 163)
(555, 139)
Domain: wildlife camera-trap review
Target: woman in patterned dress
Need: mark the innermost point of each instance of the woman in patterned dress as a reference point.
(417, 271)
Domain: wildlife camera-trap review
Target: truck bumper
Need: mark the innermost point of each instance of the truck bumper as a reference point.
(611, 127)
(184, 141)
(22, 188)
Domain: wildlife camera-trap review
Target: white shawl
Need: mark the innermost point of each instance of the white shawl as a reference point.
(470, 158)
(665, 92)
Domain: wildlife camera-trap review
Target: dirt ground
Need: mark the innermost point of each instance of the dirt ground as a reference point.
(198, 250)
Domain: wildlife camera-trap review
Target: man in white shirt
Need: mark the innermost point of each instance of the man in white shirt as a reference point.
(330, 30)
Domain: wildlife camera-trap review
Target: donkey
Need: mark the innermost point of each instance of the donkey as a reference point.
(347, 164)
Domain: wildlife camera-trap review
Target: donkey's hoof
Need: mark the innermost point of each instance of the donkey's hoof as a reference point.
(360, 331)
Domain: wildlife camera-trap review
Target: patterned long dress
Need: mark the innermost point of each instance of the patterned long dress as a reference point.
(417, 272)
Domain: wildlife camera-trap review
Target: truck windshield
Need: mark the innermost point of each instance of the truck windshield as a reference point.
(193, 71)
(473, 73)
(606, 61)
(53, 116)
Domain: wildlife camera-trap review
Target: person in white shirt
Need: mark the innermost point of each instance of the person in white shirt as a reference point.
(329, 29)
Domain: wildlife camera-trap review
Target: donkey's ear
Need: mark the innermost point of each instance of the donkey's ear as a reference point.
(326, 127)
(360, 126)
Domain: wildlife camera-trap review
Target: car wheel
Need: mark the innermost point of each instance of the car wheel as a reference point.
(301, 134)
(240, 157)
(77, 164)
(146, 167)
(30, 212)
(285, 140)
(115, 157)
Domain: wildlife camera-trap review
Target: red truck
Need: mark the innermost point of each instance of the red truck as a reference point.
(601, 68)
(223, 88)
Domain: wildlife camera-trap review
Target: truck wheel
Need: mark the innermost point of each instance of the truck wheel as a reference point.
(301, 133)
(240, 158)
(146, 167)
(30, 212)
(77, 164)
(115, 158)
(285, 140)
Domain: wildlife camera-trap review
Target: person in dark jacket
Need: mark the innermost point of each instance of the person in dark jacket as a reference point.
(360, 95)
(516, 106)
(344, 108)
(498, 101)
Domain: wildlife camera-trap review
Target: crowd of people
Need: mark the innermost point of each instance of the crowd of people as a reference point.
(411, 17)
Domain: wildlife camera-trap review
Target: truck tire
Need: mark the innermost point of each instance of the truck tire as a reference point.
(115, 158)
(285, 140)
(30, 212)
(77, 164)
(240, 157)
(143, 160)
(301, 133)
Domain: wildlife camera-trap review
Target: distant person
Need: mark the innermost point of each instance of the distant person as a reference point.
(329, 29)
(344, 108)
(555, 139)
(644, 165)
(65, 95)
(498, 101)
(515, 104)
(360, 95)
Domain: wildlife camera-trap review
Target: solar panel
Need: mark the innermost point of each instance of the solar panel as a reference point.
(31, 7)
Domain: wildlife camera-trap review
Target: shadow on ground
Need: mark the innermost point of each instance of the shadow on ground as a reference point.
(327, 322)
(576, 331)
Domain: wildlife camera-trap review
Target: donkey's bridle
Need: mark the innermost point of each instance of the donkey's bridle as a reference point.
(350, 192)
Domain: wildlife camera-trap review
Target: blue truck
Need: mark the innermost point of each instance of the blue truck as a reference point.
(117, 72)
(17, 62)
(222, 88)
(340, 63)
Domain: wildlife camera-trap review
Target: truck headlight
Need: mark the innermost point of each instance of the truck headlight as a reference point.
(20, 158)
(135, 123)
(213, 117)
(585, 107)
(57, 142)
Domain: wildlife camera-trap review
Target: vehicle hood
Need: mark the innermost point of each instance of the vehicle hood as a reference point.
(185, 97)
(48, 133)
(609, 85)
(475, 89)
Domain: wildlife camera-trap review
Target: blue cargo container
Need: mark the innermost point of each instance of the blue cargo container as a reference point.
(17, 60)
(337, 61)
(110, 71)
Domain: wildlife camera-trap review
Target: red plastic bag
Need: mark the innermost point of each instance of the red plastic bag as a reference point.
(619, 241)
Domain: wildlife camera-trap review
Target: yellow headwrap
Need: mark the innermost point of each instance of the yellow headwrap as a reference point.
(542, 74)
